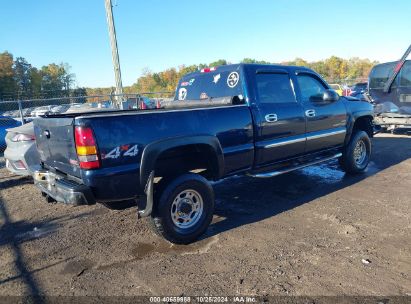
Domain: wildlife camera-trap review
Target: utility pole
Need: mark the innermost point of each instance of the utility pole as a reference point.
(114, 52)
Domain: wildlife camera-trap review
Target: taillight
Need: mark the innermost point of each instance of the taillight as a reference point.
(19, 165)
(86, 148)
(22, 137)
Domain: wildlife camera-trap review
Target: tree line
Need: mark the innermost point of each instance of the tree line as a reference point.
(333, 69)
(21, 80)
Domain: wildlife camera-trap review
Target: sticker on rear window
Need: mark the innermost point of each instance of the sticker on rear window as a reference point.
(232, 79)
(187, 83)
(216, 78)
(182, 94)
(203, 96)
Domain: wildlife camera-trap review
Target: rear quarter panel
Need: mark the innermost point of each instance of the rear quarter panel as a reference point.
(121, 140)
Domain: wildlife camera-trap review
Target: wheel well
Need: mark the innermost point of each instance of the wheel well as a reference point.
(194, 157)
(364, 124)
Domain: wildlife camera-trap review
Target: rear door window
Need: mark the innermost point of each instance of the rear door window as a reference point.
(274, 88)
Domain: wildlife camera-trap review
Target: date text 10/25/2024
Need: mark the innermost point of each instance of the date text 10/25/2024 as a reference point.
(204, 299)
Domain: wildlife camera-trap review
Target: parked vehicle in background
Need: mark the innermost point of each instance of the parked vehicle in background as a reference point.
(12, 113)
(338, 88)
(400, 91)
(64, 107)
(141, 102)
(260, 120)
(346, 90)
(89, 107)
(6, 122)
(21, 154)
(358, 89)
(389, 90)
(41, 111)
(102, 104)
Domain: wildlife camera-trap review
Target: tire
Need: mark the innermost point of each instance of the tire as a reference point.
(175, 216)
(356, 154)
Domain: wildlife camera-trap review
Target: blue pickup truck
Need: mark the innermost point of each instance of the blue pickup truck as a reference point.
(259, 120)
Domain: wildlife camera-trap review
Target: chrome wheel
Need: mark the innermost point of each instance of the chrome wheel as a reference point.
(187, 208)
(360, 153)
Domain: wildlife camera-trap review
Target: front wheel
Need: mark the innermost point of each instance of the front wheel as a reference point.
(356, 154)
(184, 208)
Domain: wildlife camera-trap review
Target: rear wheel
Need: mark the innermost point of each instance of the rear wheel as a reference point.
(356, 154)
(184, 208)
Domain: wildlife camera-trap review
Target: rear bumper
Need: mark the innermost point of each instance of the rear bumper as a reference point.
(393, 119)
(21, 157)
(63, 190)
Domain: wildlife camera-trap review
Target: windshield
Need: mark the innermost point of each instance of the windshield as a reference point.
(222, 82)
(380, 74)
(406, 75)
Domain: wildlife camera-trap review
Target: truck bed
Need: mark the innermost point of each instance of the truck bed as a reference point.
(117, 131)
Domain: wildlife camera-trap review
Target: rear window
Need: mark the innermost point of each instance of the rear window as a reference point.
(219, 83)
(335, 86)
(380, 74)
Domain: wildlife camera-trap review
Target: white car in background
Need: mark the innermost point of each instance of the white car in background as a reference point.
(21, 153)
(40, 111)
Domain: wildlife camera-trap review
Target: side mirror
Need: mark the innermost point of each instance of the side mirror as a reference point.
(330, 96)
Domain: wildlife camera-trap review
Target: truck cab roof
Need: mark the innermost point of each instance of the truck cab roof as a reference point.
(223, 81)
(239, 66)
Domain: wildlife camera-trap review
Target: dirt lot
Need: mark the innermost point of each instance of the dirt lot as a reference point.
(304, 233)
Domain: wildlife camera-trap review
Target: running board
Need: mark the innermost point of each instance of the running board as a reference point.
(279, 172)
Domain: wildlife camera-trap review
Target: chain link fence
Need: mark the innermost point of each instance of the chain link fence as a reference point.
(346, 82)
(17, 112)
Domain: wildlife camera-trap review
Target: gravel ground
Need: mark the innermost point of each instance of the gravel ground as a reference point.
(311, 232)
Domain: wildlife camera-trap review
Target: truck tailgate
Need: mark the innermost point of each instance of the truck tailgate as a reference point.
(55, 143)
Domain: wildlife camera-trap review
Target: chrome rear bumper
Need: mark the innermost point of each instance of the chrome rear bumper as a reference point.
(61, 189)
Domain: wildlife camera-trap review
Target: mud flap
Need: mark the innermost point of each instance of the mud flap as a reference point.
(148, 198)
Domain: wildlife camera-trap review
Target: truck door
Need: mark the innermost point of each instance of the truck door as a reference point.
(280, 119)
(326, 121)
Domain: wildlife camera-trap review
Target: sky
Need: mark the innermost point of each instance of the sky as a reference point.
(159, 34)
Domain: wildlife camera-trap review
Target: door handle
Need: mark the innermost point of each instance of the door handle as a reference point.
(271, 117)
(310, 113)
